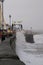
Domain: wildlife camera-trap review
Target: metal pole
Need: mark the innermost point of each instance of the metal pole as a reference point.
(10, 19)
(2, 16)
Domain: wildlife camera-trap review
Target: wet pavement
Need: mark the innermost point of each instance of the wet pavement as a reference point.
(5, 47)
(6, 51)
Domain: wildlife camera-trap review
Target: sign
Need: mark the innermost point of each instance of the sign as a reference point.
(19, 21)
(13, 22)
(16, 22)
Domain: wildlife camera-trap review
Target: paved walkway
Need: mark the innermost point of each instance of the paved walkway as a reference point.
(7, 50)
(5, 47)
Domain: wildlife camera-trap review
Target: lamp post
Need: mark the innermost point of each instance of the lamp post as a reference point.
(2, 14)
(10, 19)
(31, 29)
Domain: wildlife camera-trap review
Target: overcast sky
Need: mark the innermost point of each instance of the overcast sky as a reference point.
(30, 12)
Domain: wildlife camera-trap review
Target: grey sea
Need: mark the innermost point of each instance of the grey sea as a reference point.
(30, 53)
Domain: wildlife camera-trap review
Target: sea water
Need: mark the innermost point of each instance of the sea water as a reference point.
(30, 54)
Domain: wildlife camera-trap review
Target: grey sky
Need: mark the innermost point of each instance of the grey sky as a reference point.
(30, 12)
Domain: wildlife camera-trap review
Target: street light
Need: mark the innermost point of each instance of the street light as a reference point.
(10, 19)
(2, 14)
(2, 0)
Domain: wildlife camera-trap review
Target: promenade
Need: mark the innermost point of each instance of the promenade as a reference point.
(8, 51)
